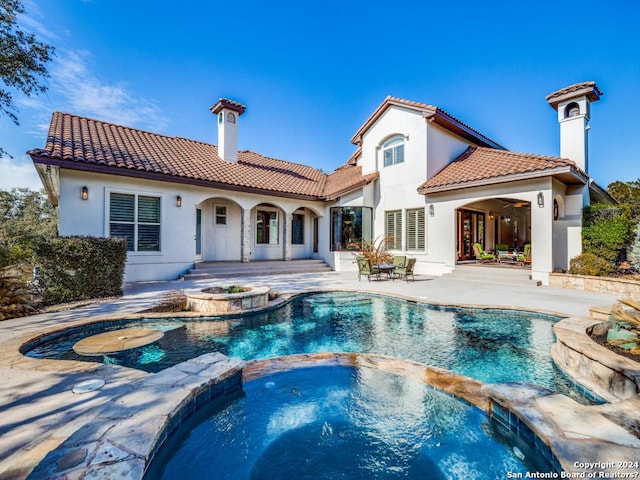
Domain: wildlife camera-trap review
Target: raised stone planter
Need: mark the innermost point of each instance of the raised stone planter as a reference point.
(610, 376)
(619, 287)
(221, 303)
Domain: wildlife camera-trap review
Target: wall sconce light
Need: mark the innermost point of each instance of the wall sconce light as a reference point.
(431, 210)
(490, 215)
(540, 199)
(84, 193)
(178, 201)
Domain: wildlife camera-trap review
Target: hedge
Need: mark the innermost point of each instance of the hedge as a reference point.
(80, 268)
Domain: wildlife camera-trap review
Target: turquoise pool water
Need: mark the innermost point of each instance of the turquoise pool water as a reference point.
(342, 423)
(489, 345)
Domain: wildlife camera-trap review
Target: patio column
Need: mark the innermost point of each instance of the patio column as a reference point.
(286, 233)
(245, 235)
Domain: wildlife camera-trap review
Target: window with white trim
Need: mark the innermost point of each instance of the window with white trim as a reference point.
(415, 230)
(393, 229)
(393, 151)
(221, 215)
(136, 218)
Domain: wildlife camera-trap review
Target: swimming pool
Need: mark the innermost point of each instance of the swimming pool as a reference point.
(341, 422)
(489, 345)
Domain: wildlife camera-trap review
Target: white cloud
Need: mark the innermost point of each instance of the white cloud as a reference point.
(79, 90)
(18, 173)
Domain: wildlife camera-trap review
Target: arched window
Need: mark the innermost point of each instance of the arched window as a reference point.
(393, 151)
(231, 118)
(572, 110)
(556, 209)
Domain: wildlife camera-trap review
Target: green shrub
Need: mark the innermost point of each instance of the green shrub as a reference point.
(80, 268)
(590, 264)
(607, 231)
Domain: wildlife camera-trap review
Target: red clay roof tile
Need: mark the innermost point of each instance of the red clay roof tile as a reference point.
(488, 165)
(77, 142)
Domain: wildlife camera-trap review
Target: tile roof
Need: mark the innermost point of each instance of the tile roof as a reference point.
(481, 166)
(590, 89)
(429, 111)
(344, 179)
(85, 144)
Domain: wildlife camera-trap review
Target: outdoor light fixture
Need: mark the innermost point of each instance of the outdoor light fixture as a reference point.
(431, 210)
(178, 201)
(540, 199)
(84, 193)
(490, 215)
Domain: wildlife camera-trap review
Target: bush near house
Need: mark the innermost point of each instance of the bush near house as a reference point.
(80, 268)
(590, 264)
(607, 231)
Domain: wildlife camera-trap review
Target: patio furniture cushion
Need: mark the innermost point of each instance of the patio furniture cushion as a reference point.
(365, 268)
(481, 255)
(399, 261)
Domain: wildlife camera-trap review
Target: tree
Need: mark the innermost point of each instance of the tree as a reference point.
(628, 193)
(26, 217)
(23, 60)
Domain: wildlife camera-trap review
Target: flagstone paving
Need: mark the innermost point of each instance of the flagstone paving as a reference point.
(39, 411)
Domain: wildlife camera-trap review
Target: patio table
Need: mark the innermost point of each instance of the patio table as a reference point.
(510, 256)
(387, 268)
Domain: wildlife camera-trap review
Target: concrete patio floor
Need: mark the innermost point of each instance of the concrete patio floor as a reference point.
(38, 409)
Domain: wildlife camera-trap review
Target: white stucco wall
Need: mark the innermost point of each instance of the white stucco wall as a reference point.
(442, 148)
(178, 224)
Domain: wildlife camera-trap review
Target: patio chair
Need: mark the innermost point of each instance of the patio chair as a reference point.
(525, 257)
(501, 248)
(406, 270)
(365, 268)
(481, 255)
(399, 261)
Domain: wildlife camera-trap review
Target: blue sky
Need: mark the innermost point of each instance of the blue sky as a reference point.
(310, 73)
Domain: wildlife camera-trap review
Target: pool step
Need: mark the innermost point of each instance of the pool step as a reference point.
(205, 270)
(493, 274)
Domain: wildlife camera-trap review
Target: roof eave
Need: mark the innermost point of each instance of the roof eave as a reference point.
(128, 172)
(446, 121)
(566, 170)
(351, 188)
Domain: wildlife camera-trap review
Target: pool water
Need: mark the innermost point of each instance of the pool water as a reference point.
(341, 423)
(489, 345)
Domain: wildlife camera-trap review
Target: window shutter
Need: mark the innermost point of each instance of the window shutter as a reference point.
(388, 157)
(393, 230)
(415, 230)
(148, 209)
(122, 207)
(399, 154)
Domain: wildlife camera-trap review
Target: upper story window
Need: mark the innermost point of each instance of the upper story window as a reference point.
(393, 151)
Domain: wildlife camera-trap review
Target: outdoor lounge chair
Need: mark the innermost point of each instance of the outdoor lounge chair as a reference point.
(365, 268)
(481, 255)
(406, 270)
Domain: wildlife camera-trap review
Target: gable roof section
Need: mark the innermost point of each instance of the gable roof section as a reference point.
(479, 166)
(430, 112)
(84, 144)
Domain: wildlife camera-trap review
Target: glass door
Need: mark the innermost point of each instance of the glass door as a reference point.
(198, 236)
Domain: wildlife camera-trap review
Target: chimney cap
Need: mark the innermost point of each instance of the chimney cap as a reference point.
(588, 89)
(229, 104)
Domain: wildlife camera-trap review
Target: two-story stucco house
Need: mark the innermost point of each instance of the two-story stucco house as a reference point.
(429, 183)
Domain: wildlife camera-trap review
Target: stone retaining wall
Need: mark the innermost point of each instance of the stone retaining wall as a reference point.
(608, 375)
(612, 286)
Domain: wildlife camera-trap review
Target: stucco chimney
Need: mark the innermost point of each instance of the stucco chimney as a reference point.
(573, 105)
(228, 113)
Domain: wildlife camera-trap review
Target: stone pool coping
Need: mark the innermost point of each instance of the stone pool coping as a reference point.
(611, 376)
(10, 357)
(125, 436)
